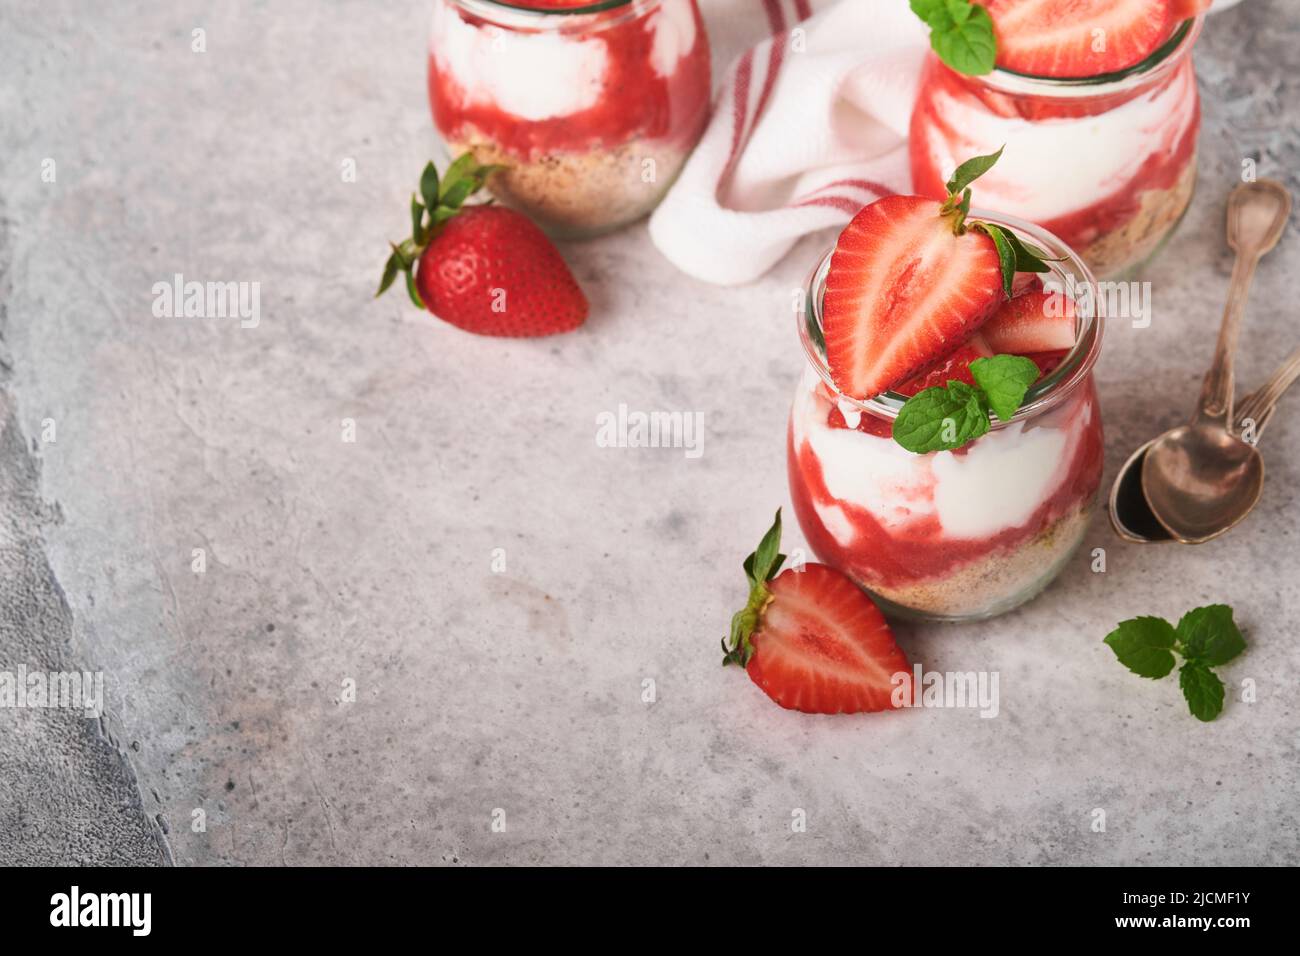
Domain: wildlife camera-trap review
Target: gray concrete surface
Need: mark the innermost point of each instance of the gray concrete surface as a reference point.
(333, 563)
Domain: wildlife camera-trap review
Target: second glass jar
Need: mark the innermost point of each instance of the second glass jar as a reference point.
(591, 107)
(1108, 163)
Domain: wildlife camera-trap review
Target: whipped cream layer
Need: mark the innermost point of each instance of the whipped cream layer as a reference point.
(546, 74)
(994, 485)
(1058, 165)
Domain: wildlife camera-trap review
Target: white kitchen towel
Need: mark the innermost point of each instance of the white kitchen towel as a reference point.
(808, 127)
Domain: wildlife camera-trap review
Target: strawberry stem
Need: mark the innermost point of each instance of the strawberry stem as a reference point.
(438, 201)
(760, 567)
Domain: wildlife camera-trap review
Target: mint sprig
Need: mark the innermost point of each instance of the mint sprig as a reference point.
(946, 417)
(760, 567)
(1205, 638)
(439, 199)
(961, 33)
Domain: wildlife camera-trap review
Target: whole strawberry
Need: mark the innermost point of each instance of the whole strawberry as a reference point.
(483, 268)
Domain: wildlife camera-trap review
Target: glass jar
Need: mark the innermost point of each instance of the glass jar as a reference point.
(592, 107)
(1107, 163)
(951, 535)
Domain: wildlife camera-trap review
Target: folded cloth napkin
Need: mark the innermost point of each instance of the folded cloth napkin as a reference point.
(808, 127)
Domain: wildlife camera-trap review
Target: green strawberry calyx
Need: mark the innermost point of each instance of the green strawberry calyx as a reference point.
(439, 200)
(760, 567)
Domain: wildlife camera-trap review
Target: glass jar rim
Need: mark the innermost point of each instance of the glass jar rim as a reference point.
(1162, 61)
(1047, 393)
(534, 14)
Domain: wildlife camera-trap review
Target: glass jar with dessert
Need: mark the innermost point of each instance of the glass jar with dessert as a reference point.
(1098, 109)
(913, 468)
(590, 107)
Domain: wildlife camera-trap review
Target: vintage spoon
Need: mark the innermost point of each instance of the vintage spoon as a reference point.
(1131, 516)
(1200, 479)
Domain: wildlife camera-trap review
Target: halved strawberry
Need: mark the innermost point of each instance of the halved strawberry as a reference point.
(1077, 38)
(955, 367)
(1037, 321)
(904, 289)
(812, 640)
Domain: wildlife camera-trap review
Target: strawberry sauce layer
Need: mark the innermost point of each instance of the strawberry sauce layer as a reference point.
(1079, 166)
(577, 83)
(893, 530)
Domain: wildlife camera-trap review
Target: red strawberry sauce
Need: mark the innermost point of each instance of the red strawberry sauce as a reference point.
(635, 101)
(920, 550)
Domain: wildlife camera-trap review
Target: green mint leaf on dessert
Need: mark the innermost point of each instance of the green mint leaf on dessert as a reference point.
(1205, 637)
(1144, 645)
(1209, 635)
(971, 170)
(961, 33)
(941, 418)
(760, 567)
(1203, 690)
(1004, 379)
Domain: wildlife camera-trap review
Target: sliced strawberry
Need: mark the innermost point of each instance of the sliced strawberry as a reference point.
(812, 640)
(903, 291)
(1033, 322)
(1077, 38)
(955, 366)
(823, 647)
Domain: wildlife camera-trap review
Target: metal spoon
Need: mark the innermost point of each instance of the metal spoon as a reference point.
(1200, 479)
(1131, 516)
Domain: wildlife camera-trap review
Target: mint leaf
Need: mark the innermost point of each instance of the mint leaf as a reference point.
(1203, 690)
(1208, 635)
(941, 418)
(1004, 379)
(972, 169)
(961, 33)
(1143, 645)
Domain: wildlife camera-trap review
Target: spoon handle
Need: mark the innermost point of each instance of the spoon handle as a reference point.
(1216, 393)
(1259, 404)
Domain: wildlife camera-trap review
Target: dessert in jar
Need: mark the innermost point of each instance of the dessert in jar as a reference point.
(1098, 109)
(900, 314)
(591, 108)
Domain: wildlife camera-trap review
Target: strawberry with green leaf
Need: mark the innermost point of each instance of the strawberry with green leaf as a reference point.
(811, 639)
(481, 267)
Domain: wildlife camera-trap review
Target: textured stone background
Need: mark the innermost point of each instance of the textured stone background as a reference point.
(370, 561)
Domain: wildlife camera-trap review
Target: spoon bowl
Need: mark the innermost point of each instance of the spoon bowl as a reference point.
(1201, 481)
